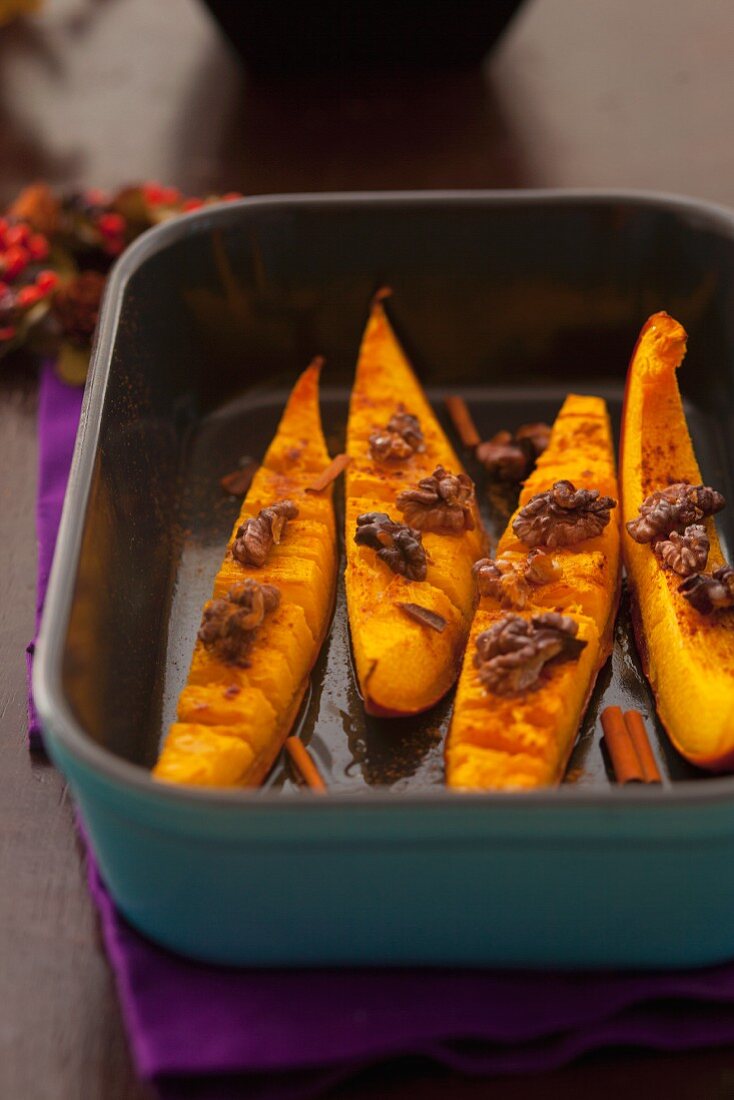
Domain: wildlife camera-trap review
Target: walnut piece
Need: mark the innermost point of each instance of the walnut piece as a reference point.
(504, 458)
(502, 581)
(673, 509)
(386, 445)
(239, 481)
(441, 502)
(537, 434)
(512, 654)
(709, 592)
(255, 537)
(684, 554)
(563, 516)
(400, 547)
(541, 567)
(511, 582)
(229, 625)
(408, 426)
(510, 457)
(401, 437)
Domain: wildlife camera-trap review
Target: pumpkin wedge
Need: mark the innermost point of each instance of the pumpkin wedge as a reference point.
(245, 685)
(688, 656)
(565, 596)
(404, 664)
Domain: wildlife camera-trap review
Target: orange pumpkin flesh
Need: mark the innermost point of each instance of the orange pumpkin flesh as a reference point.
(688, 657)
(233, 721)
(403, 666)
(523, 741)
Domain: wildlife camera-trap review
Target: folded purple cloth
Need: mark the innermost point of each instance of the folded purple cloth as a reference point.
(58, 418)
(291, 1034)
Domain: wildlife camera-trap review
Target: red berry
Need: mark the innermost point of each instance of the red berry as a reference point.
(16, 234)
(14, 260)
(232, 196)
(38, 246)
(192, 204)
(47, 281)
(29, 295)
(170, 196)
(152, 192)
(7, 333)
(111, 225)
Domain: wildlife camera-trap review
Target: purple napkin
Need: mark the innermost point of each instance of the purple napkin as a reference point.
(202, 1031)
(58, 417)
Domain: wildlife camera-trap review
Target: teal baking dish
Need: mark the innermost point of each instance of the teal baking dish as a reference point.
(513, 299)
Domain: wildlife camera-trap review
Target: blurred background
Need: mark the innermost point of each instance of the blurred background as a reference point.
(614, 93)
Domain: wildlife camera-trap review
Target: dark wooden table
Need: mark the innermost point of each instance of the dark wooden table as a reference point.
(615, 93)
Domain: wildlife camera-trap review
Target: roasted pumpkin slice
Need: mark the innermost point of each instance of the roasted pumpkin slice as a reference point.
(687, 648)
(588, 571)
(544, 625)
(405, 476)
(522, 739)
(254, 652)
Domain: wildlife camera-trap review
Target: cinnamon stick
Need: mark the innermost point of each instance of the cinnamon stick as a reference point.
(638, 734)
(337, 466)
(458, 410)
(626, 762)
(304, 764)
(424, 616)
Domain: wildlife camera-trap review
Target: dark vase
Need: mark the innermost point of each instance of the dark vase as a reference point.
(283, 38)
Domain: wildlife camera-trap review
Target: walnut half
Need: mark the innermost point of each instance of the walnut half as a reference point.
(709, 592)
(684, 554)
(673, 509)
(229, 625)
(511, 582)
(255, 537)
(563, 516)
(441, 502)
(512, 654)
(401, 437)
(504, 457)
(509, 456)
(400, 547)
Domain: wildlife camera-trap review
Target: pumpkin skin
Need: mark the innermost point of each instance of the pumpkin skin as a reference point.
(523, 741)
(233, 721)
(403, 667)
(687, 657)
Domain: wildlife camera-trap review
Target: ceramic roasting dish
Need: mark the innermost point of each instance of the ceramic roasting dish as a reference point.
(512, 300)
